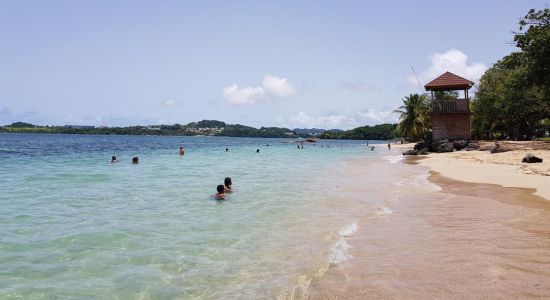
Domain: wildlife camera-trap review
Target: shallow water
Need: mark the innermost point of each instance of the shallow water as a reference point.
(322, 222)
(75, 225)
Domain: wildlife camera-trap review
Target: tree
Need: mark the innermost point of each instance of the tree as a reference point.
(414, 121)
(534, 42)
(513, 96)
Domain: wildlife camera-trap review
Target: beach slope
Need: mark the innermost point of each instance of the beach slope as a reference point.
(505, 169)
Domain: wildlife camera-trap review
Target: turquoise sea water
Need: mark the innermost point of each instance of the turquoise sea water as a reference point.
(74, 225)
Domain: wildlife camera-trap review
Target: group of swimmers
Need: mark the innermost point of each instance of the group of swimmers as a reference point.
(223, 188)
(135, 160)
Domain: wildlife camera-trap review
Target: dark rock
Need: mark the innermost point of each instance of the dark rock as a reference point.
(530, 158)
(497, 148)
(460, 144)
(423, 151)
(420, 145)
(442, 146)
(411, 152)
(472, 146)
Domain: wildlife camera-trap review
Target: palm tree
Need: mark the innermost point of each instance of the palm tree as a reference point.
(414, 121)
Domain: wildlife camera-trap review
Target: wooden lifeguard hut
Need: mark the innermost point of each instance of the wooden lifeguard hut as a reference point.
(450, 117)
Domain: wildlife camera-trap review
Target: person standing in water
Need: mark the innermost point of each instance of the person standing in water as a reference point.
(182, 151)
(389, 146)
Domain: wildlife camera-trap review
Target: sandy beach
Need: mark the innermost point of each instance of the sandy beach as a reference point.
(505, 169)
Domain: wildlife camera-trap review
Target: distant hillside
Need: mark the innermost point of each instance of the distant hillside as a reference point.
(313, 131)
(211, 128)
(204, 127)
(376, 132)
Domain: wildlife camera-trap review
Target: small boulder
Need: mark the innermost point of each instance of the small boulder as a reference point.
(423, 151)
(530, 158)
(472, 146)
(411, 152)
(442, 146)
(460, 144)
(497, 148)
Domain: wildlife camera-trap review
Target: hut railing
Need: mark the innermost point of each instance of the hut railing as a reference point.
(455, 105)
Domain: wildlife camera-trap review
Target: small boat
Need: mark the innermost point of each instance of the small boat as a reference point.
(312, 140)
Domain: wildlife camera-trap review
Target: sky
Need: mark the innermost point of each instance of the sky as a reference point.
(323, 64)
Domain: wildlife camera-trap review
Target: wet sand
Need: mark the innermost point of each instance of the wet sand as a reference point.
(467, 241)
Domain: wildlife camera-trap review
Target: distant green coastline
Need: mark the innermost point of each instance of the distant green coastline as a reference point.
(212, 128)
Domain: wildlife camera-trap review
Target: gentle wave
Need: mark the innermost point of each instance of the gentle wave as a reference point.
(393, 158)
(418, 181)
(384, 211)
(339, 251)
(348, 230)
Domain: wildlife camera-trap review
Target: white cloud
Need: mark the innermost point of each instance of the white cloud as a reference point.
(341, 120)
(277, 86)
(454, 61)
(170, 103)
(236, 95)
(271, 87)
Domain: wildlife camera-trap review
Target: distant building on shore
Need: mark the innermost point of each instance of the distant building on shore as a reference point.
(450, 114)
(80, 126)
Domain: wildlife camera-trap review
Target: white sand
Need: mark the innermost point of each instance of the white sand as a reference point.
(504, 169)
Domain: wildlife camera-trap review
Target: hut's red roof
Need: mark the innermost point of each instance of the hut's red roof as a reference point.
(448, 81)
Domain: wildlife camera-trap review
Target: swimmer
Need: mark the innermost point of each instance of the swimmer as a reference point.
(226, 150)
(221, 193)
(257, 150)
(113, 159)
(298, 146)
(227, 182)
(135, 160)
(182, 151)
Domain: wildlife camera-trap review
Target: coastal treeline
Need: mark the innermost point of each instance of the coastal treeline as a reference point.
(213, 128)
(513, 96)
(376, 132)
(204, 127)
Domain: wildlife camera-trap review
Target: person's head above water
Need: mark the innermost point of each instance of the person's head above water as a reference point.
(220, 195)
(135, 160)
(113, 158)
(227, 182)
(257, 150)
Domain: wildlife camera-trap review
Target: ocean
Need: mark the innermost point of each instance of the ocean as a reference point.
(333, 214)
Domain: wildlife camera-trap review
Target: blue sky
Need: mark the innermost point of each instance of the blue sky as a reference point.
(338, 64)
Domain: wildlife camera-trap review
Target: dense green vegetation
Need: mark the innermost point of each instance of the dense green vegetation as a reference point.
(204, 127)
(513, 97)
(414, 121)
(211, 127)
(377, 132)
